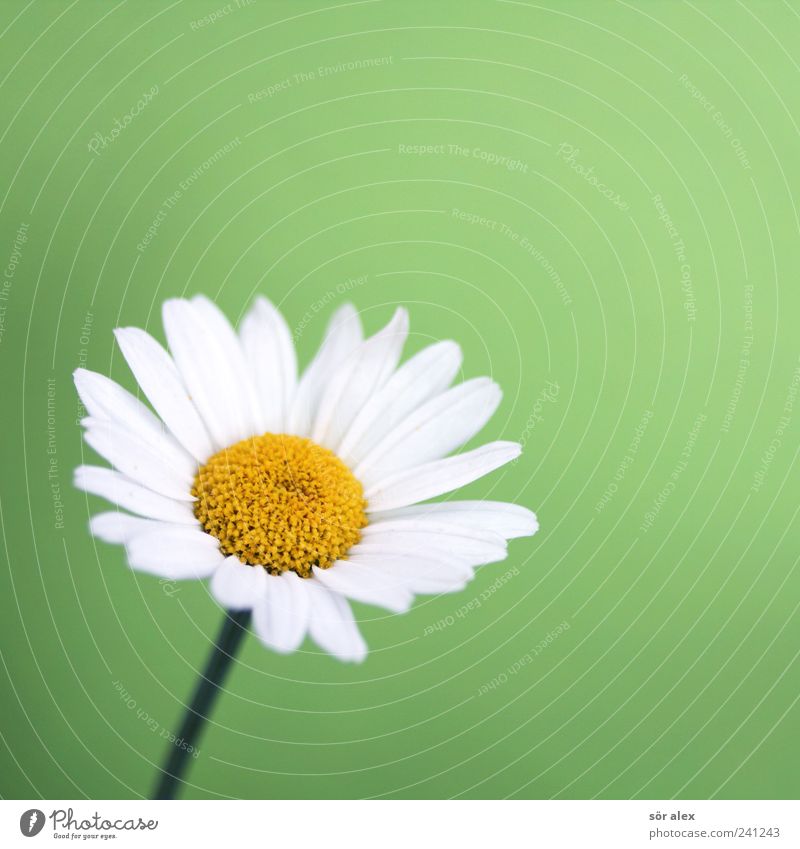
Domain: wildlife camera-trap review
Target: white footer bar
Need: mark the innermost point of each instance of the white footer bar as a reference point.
(403, 824)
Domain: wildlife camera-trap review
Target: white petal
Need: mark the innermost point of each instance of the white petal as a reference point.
(109, 404)
(217, 322)
(175, 553)
(436, 555)
(429, 574)
(153, 466)
(424, 376)
(156, 374)
(115, 487)
(342, 338)
(332, 626)
(357, 378)
(281, 616)
(433, 430)
(105, 400)
(415, 536)
(117, 528)
(359, 583)
(208, 356)
(237, 586)
(432, 479)
(508, 520)
(268, 346)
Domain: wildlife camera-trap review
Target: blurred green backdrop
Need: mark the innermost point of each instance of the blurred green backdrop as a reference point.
(598, 200)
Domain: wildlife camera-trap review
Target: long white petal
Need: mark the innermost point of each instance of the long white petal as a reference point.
(238, 586)
(217, 322)
(267, 343)
(117, 528)
(342, 338)
(115, 487)
(332, 625)
(432, 479)
(281, 616)
(207, 354)
(508, 520)
(105, 400)
(359, 583)
(434, 559)
(418, 575)
(175, 553)
(156, 374)
(424, 376)
(433, 430)
(357, 378)
(152, 466)
(470, 545)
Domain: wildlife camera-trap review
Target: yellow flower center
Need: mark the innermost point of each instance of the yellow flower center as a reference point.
(282, 502)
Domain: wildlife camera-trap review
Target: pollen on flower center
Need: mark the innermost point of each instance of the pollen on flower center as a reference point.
(282, 502)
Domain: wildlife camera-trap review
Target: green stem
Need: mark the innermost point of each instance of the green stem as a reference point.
(234, 627)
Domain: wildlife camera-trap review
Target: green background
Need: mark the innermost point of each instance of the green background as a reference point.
(678, 672)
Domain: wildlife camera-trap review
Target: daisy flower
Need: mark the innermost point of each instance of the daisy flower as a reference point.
(295, 494)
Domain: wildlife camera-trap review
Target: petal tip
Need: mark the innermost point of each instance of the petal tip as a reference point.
(514, 449)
